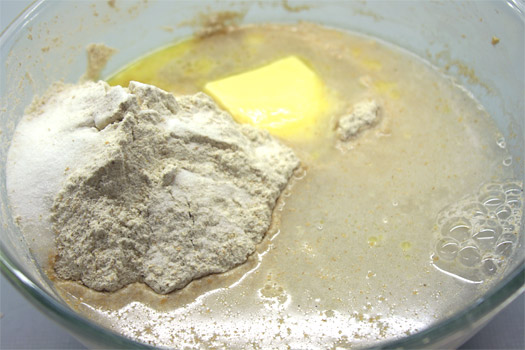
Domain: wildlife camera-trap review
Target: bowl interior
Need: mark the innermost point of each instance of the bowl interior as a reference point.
(44, 45)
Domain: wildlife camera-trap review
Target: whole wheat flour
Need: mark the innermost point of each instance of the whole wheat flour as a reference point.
(365, 114)
(176, 189)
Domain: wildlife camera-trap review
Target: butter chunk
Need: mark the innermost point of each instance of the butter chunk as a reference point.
(286, 97)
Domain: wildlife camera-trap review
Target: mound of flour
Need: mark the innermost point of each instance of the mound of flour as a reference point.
(173, 190)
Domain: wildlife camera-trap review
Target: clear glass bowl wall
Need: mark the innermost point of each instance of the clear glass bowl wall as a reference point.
(47, 43)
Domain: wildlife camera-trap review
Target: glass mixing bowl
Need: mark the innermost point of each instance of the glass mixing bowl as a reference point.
(46, 43)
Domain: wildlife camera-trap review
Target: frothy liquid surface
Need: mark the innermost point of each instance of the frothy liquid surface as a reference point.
(366, 249)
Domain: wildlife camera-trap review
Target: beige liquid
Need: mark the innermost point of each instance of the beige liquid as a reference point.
(352, 261)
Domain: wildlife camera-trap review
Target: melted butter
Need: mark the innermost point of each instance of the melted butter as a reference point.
(148, 70)
(350, 262)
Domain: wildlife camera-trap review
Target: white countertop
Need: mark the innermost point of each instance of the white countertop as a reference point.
(22, 326)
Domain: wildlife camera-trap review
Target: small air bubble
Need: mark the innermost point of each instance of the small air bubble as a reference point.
(504, 248)
(505, 244)
(489, 266)
(509, 228)
(491, 223)
(395, 203)
(491, 186)
(457, 228)
(469, 256)
(514, 201)
(385, 220)
(501, 142)
(441, 219)
(507, 161)
(508, 237)
(447, 248)
(319, 227)
(475, 210)
(512, 189)
(300, 175)
(503, 212)
(486, 238)
(492, 199)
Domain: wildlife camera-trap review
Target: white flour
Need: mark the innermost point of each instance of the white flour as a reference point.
(171, 189)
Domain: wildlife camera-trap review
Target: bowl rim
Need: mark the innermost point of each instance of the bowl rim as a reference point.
(478, 311)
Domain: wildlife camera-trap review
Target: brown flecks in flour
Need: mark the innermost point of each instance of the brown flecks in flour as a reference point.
(364, 115)
(180, 192)
(178, 298)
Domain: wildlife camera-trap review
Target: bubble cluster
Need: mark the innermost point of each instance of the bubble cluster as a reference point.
(479, 233)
